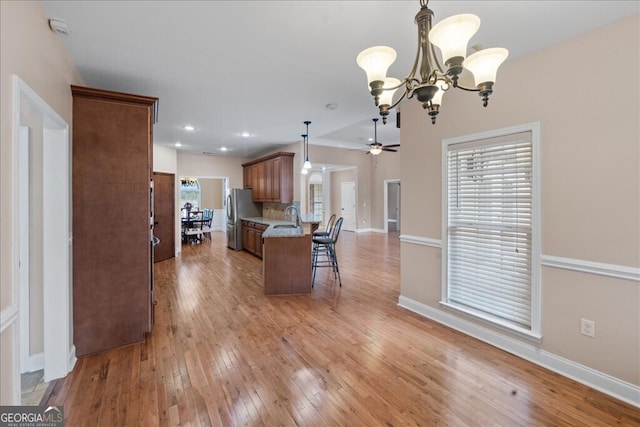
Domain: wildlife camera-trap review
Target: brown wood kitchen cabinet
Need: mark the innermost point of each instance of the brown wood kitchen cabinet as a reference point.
(112, 259)
(270, 177)
(252, 237)
(248, 176)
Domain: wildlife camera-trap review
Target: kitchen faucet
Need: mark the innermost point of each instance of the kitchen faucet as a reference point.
(295, 215)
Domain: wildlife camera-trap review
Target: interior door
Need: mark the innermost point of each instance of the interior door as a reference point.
(348, 209)
(164, 215)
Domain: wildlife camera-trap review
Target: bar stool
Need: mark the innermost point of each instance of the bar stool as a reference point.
(324, 252)
(327, 230)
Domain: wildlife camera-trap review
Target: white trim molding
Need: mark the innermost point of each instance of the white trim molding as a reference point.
(8, 316)
(592, 267)
(605, 383)
(422, 241)
(34, 362)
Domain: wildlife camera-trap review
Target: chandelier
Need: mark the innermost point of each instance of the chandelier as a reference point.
(428, 80)
(189, 182)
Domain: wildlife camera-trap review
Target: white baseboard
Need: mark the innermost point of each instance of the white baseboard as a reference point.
(605, 383)
(71, 360)
(35, 362)
(370, 230)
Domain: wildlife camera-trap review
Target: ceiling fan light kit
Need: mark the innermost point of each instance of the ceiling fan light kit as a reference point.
(428, 80)
(377, 148)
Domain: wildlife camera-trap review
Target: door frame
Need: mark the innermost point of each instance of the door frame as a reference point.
(173, 213)
(225, 192)
(352, 184)
(387, 182)
(59, 351)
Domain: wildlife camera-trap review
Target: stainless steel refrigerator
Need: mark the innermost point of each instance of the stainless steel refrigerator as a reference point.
(240, 205)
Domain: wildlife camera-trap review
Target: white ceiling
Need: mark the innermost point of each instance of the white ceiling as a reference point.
(264, 67)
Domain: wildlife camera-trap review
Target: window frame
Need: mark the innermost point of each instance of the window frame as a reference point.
(535, 331)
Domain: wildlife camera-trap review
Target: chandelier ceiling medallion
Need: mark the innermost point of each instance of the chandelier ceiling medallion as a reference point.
(428, 80)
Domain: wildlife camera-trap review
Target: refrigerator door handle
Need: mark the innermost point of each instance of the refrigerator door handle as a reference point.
(229, 208)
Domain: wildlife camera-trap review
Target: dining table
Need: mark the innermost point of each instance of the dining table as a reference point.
(194, 220)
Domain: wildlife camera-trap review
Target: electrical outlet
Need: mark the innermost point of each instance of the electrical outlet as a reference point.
(588, 327)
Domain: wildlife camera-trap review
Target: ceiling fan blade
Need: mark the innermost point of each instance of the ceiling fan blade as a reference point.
(391, 145)
(389, 149)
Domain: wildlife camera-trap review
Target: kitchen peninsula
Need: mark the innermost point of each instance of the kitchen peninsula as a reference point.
(286, 260)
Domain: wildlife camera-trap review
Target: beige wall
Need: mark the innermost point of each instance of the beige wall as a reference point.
(590, 180)
(29, 49)
(211, 192)
(165, 159)
(337, 178)
(190, 165)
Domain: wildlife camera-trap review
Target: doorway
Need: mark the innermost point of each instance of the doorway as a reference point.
(204, 192)
(348, 205)
(164, 215)
(41, 278)
(316, 195)
(392, 205)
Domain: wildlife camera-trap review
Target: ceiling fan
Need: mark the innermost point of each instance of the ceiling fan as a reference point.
(377, 148)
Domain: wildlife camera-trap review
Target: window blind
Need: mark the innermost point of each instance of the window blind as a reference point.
(489, 227)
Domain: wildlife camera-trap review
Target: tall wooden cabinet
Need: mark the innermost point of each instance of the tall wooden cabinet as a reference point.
(112, 208)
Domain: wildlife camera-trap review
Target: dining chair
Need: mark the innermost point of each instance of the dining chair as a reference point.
(207, 218)
(194, 230)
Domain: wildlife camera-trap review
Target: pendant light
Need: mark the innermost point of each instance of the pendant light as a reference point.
(306, 166)
(304, 170)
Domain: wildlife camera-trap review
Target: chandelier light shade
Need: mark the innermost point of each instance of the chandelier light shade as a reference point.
(437, 97)
(391, 85)
(452, 35)
(484, 64)
(375, 61)
(428, 80)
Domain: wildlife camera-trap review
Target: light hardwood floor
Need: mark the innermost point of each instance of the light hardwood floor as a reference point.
(223, 354)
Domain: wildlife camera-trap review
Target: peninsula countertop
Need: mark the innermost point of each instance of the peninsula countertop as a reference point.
(277, 227)
(309, 223)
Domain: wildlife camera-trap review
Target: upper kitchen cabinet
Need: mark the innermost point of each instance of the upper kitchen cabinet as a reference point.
(112, 214)
(271, 178)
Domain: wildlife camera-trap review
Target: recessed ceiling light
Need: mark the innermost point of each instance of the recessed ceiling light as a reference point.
(188, 127)
(245, 134)
(178, 144)
(223, 148)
